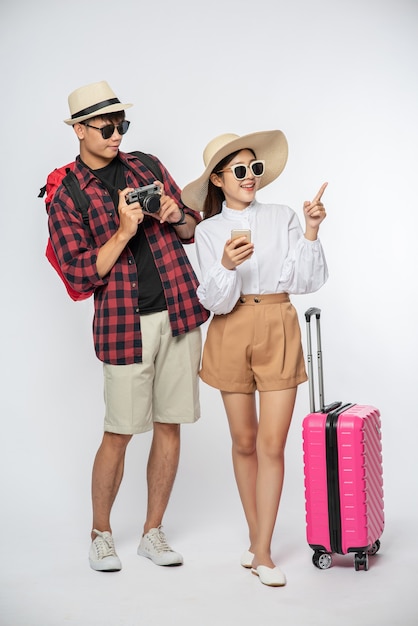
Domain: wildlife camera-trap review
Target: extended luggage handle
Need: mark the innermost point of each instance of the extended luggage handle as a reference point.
(334, 405)
(308, 314)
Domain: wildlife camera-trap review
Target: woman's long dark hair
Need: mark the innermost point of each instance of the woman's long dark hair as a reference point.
(215, 196)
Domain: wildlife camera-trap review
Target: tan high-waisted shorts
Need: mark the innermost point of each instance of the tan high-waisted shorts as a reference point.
(255, 346)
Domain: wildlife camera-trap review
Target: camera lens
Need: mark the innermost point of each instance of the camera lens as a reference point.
(151, 204)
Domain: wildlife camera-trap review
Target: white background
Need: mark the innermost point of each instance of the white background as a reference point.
(339, 78)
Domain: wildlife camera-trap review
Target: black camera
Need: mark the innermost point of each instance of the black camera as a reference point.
(148, 197)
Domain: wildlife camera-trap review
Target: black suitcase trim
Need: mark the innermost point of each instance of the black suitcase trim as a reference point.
(333, 487)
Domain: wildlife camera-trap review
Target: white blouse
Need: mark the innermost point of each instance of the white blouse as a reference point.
(283, 259)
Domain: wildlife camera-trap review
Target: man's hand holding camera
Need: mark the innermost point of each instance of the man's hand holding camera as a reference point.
(170, 211)
(130, 215)
(159, 205)
(154, 202)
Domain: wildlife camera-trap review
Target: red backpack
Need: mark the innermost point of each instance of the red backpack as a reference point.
(65, 176)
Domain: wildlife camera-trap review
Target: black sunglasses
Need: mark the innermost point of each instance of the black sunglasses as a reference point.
(108, 130)
(240, 169)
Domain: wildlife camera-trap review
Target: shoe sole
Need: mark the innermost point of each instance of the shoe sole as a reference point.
(99, 567)
(156, 562)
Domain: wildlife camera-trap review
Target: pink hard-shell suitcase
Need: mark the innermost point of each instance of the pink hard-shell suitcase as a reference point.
(343, 477)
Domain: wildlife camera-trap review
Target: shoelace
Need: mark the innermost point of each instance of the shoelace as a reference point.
(159, 541)
(104, 545)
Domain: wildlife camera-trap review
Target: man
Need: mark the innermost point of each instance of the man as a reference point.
(146, 315)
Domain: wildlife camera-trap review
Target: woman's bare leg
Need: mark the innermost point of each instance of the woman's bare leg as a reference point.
(276, 409)
(242, 417)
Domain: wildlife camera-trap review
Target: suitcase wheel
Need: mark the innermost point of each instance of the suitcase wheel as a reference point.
(322, 560)
(361, 561)
(374, 548)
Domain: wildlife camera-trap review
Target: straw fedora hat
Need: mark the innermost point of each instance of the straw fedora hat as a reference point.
(270, 145)
(92, 100)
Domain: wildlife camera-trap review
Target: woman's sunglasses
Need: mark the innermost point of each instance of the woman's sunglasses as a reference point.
(239, 170)
(108, 130)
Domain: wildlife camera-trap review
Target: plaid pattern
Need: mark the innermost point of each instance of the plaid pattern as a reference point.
(116, 324)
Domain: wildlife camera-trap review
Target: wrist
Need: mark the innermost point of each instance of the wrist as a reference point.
(182, 219)
(311, 233)
(121, 237)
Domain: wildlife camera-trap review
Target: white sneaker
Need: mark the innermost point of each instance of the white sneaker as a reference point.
(154, 546)
(102, 555)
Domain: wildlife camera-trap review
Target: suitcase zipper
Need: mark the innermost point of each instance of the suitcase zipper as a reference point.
(334, 509)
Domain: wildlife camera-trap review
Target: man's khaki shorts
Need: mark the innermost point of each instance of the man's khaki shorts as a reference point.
(163, 388)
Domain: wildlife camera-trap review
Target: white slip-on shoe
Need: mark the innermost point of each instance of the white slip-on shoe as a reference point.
(154, 546)
(271, 576)
(102, 555)
(247, 559)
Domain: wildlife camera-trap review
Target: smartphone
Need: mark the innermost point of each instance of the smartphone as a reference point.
(244, 232)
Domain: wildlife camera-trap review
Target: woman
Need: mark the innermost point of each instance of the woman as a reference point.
(253, 341)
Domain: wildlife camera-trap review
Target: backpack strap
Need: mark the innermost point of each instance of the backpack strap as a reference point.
(149, 163)
(79, 198)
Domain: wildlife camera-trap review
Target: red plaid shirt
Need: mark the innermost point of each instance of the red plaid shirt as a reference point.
(116, 324)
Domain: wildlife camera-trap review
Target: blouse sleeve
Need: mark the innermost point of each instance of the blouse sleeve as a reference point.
(219, 288)
(305, 269)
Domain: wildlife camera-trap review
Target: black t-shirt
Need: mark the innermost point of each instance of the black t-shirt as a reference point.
(151, 297)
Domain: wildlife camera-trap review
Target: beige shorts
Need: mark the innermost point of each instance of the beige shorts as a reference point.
(163, 388)
(255, 346)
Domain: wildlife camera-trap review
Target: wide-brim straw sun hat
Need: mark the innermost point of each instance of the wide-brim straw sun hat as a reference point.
(270, 146)
(93, 100)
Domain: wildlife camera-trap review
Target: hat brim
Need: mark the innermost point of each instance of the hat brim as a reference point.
(271, 146)
(112, 108)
